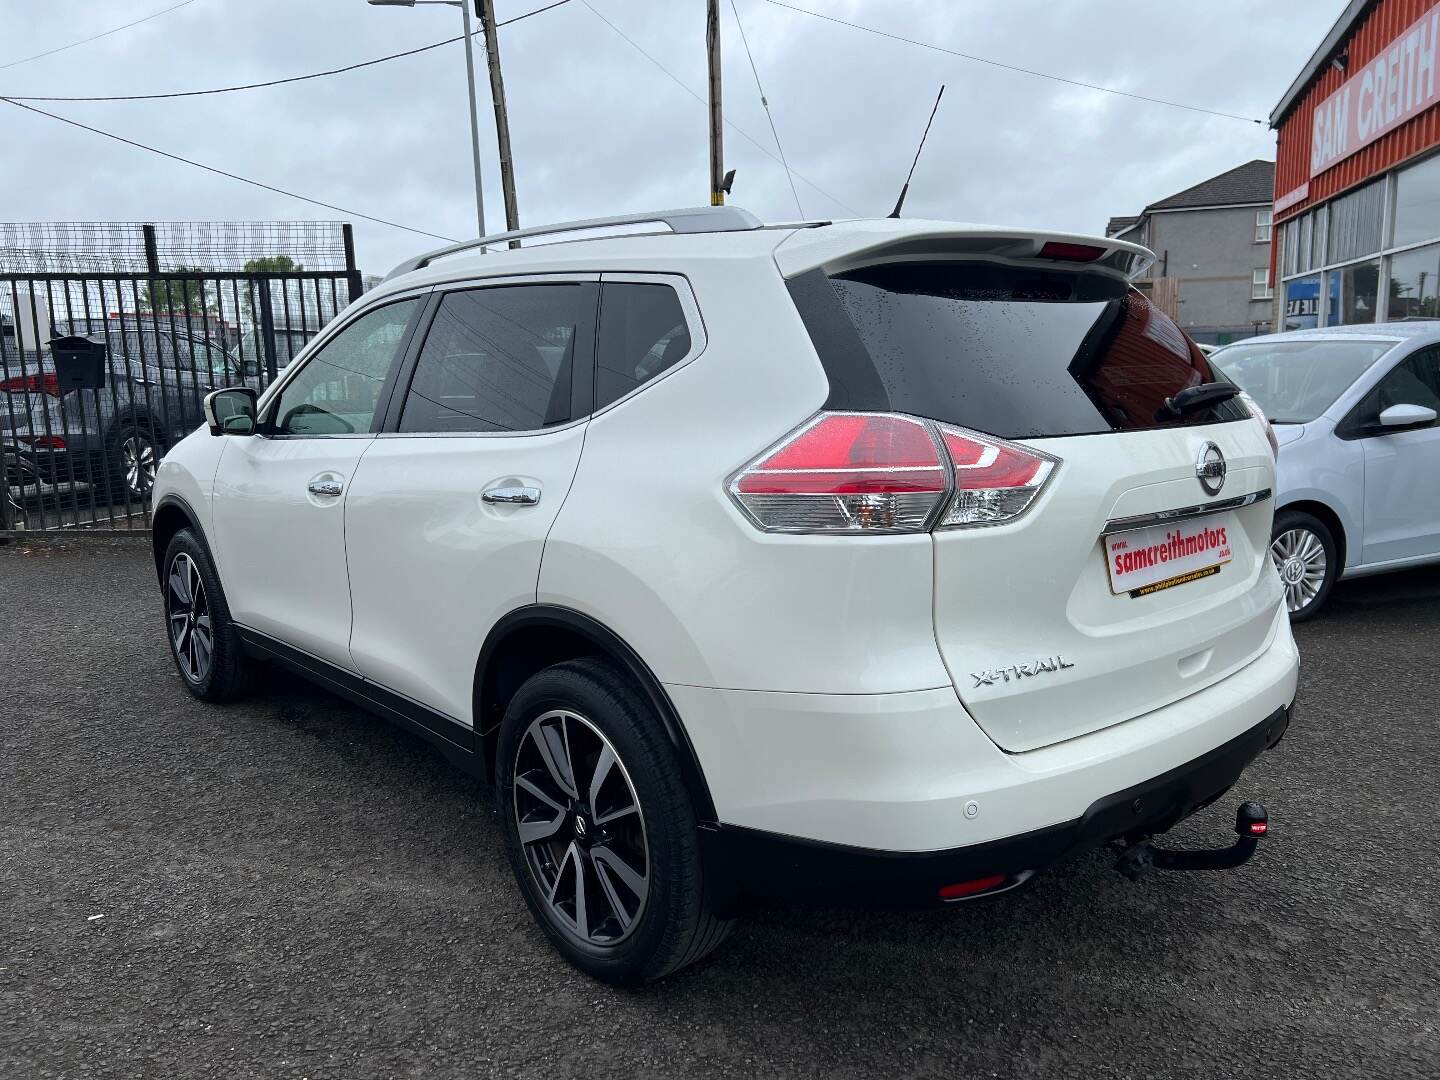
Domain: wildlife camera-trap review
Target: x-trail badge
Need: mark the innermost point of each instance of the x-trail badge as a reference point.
(1210, 469)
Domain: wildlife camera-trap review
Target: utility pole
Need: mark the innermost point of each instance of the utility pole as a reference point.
(717, 141)
(474, 116)
(502, 122)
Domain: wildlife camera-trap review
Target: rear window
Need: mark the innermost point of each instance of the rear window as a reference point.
(1016, 353)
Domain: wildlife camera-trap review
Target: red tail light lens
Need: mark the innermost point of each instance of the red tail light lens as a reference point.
(1057, 249)
(995, 481)
(44, 383)
(42, 442)
(962, 889)
(846, 473)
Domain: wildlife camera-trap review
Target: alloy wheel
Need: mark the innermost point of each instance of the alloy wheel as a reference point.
(138, 459)
(1300, 560)
(580, 828)
(192, 633)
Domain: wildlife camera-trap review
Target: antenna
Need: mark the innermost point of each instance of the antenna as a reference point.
(906, 189)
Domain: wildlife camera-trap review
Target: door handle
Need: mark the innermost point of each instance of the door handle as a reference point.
(517, 495)
(326, 487)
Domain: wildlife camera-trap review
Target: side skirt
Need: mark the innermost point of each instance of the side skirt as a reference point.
(455, 740)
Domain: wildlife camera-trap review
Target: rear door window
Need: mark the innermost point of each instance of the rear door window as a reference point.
(1017, 353)
(501, 359)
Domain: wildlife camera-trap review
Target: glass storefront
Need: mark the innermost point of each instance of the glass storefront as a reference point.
(1338, 265)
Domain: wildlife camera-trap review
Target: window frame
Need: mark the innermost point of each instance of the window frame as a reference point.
(1266, 287)
(582, 368)
(265, 412)
(1268, 224)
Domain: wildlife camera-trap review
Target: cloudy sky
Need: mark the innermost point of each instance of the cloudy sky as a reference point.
(600, 129)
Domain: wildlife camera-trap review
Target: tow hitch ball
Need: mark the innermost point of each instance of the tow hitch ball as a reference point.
(1138, 859)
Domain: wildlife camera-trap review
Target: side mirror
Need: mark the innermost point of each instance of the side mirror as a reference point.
(1398, 416)
(232, 411)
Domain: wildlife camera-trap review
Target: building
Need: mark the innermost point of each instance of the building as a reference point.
(1357, 181)
(1212, 242)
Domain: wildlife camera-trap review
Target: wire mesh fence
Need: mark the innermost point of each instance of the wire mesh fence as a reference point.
(80, 247)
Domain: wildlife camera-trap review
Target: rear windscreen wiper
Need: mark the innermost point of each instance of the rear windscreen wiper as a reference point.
(1196, 397)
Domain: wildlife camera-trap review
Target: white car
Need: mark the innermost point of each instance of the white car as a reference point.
(871, 560)
(1354, 409)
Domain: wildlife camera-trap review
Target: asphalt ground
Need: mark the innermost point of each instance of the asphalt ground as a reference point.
(290, 888)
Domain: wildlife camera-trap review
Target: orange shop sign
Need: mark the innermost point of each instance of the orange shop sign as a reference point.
(1398, 84)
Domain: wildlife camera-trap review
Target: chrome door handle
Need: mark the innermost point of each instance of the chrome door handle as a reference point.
(326, 487)
(519, 496)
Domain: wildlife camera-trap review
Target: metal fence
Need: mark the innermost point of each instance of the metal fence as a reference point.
(81, 438)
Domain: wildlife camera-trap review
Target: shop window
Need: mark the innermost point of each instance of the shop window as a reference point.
(1415, 283)
(1417, 203)
(1262, 226)
(1355, 222)
(1302, 303)
(1354, 293)
(1260, 284)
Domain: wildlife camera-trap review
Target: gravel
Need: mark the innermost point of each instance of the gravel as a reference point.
(290, 888)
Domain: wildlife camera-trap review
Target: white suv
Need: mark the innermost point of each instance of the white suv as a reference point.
(871, 560)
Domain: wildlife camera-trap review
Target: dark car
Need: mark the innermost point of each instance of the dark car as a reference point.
(110, 438)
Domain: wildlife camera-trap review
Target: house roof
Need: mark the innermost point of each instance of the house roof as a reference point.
(1117, 225)
(1253, 182)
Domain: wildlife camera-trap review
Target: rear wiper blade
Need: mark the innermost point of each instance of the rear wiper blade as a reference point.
(1196, 397)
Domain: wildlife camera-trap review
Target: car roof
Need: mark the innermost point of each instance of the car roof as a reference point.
(794, 246)
(1391, 331)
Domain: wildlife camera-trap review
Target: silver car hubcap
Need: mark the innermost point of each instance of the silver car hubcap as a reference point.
(1300, 560)
(580, 828)
(192, 634)
(137, 458)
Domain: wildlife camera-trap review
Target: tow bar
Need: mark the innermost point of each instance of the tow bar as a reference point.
(1138, 859)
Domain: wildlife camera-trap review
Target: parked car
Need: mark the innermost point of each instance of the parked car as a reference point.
(248, 354)
(879, 561)
(111, 438)
(1354, 410)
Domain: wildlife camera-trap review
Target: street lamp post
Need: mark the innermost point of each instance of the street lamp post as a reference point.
(464, 7)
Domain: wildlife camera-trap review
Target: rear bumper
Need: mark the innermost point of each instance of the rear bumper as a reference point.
(756, 863)
(914, 773)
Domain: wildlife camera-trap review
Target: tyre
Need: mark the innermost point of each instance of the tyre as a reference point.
(1307, 559)
(203, 641)
(599, 826)
(134, 455)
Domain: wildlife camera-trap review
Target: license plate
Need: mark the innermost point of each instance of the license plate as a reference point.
(1157, 557)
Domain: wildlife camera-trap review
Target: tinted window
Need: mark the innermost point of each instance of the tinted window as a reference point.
(499, 359)
(1417, 205)
(1296, 381)
(1414, 381)
(1015, 353)
(337, 391)
(642, 333)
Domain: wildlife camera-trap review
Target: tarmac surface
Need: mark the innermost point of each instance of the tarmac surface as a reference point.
(288, 887)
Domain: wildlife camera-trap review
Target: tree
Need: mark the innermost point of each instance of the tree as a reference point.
(266, 264)
(165, 295)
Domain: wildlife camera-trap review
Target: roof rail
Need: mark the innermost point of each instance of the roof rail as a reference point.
(692, 219)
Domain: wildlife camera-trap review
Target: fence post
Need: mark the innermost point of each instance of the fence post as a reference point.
(152, 250)
(267, 327)
(352, 275)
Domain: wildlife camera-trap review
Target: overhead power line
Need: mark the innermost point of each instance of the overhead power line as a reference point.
(275, 82)
(96, 37)
(729, 124)
(1013, 67)
(222, 172)
(764, 102)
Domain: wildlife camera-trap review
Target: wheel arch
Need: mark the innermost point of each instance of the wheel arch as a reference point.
(538, 636)
(171, 514)
(1328, 517)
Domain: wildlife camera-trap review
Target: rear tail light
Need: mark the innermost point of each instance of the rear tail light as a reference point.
(42, 442)
(995, 481)
(846, 473)
(45, 383)
(1058, 249)
(887, 473)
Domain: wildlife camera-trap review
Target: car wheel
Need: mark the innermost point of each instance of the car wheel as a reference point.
(203, 641)
(599, 827)
(1306, 557)
(136, 456)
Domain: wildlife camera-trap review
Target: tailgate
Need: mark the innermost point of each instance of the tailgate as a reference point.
(1043, 645)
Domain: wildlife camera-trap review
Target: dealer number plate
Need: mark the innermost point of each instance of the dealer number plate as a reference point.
(1158, 557)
